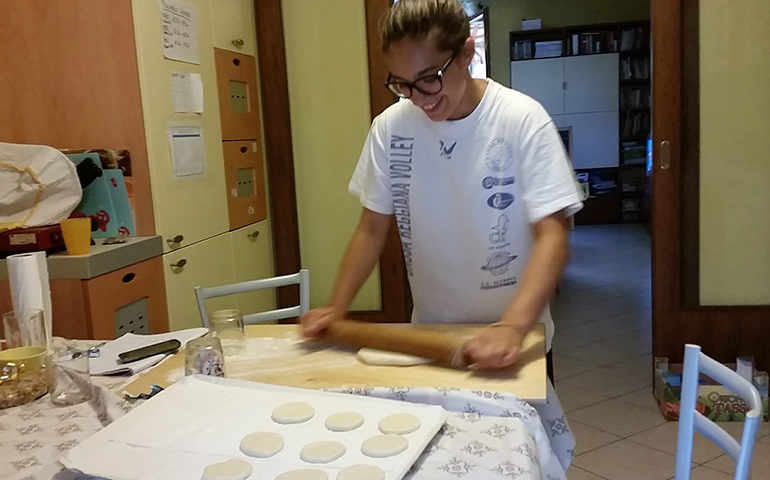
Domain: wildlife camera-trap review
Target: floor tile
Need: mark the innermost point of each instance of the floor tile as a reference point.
(641, 398)
(574, 398)
(565, 366)
(600, 354)
(627, 460)
(664, 438)
(588, 438)
(705, 473)
(617, 417)
(575, 473)
(760, 464)
(639, 366)
(608, 382)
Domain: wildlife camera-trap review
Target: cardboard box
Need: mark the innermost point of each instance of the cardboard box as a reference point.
(714, 401)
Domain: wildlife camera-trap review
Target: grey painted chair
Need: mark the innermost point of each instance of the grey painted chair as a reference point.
(301, 278)
(695, 363)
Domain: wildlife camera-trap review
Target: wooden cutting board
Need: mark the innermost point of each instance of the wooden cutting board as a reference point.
(318, 365)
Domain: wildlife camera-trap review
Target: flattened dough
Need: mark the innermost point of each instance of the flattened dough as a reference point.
(399, 423)
(232, 469)
(361, 472)
(292, 412)
(381, 446)
(373, 356)
(261, 444)
(322, 452)
(303, 474)
(344, 421)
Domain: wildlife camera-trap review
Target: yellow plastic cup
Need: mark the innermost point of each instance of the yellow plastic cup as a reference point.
(77, 235)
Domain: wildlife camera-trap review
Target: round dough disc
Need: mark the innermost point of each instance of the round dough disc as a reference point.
(322, 452)
(399, 423)
(361, 472)
(344, 421)
(232, 469)
(261, 444)
(381, 446)
(372, 356)
(303, 474)
(292, 412)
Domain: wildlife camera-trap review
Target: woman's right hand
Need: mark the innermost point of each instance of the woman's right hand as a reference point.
(315, 321)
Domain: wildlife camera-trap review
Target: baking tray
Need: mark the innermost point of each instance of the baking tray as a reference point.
(201, 420)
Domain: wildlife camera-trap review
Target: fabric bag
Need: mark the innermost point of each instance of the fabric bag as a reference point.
(38, 186)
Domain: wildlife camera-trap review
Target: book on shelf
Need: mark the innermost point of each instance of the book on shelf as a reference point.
(547, 49)
(522, 50)
(632, 39)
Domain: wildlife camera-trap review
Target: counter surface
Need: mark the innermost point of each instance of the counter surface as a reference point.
(275, 354)
(101, 260)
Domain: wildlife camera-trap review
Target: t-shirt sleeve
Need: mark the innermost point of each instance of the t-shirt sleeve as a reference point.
(548, 177)
(370, 181)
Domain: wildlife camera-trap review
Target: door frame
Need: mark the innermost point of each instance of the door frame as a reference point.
(394, 290)
(724, 332)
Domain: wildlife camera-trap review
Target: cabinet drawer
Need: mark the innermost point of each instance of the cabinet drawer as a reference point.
(140, 284)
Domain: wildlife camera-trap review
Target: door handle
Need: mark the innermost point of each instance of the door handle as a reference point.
(665, 155)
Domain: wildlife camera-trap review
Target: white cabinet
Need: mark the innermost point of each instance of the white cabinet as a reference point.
(541, 79)
(579, 92)
(194, 208)
(591, 83)
(594, 138)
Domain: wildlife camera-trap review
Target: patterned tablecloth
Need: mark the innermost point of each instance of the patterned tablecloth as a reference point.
(488, 435)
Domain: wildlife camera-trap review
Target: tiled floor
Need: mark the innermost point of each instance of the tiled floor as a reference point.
(602, 362)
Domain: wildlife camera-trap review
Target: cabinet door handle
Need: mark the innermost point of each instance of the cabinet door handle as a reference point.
(238, 43)
(253, 235)
(665, 155)
(175, 241)
(179, 264)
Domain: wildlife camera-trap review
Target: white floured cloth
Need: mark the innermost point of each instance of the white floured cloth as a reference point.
(465, 194)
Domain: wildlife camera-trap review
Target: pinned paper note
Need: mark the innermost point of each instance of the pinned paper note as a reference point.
(180, 31)
(188, 156)
(187, 92)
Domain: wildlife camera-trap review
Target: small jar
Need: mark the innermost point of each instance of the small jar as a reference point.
(204, 356)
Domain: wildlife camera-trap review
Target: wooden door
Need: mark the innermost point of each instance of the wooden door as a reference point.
(678, 316)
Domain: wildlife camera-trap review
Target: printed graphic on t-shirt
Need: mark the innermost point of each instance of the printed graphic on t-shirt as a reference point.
(446, 149)
(400, 172)
(489, 182)
(498, 155)
(499, 158)
(497, 237)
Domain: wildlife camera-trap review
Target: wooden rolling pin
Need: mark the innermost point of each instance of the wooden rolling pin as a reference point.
(437, 346)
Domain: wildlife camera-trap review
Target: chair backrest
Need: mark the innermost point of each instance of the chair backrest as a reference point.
(696, 362)
(301, 278)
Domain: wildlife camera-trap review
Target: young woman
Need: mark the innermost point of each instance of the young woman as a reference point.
(478, 181)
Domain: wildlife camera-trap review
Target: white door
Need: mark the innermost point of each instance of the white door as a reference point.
(541, 79)
(591, 83)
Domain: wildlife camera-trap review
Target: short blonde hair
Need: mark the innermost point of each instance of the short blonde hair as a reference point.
(444, 21)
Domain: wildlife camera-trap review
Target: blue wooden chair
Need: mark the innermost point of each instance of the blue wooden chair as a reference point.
(301, 278)
(690, 420)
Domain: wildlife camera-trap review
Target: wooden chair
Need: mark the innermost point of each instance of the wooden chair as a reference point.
(690, 420)
(301, 278)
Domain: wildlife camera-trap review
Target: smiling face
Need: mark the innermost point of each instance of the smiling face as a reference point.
(410, 59)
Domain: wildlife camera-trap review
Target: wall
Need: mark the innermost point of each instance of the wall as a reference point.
(330, 116)
(734, 152)
(505, 16)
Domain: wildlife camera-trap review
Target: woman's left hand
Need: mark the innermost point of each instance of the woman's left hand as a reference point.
(497, 346)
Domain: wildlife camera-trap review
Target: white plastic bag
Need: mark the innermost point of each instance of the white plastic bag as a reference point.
(39, 186)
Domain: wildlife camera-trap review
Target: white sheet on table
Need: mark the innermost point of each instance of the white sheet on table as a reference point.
(201, 420)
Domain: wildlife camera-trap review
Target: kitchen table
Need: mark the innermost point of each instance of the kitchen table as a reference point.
(490, 433)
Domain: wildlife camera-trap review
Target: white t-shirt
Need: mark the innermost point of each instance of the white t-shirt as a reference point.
(464, 194)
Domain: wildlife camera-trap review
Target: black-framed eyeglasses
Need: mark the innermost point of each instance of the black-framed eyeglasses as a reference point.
(427, 85)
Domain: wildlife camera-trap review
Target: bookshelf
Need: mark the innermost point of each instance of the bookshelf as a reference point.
(624, 183)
